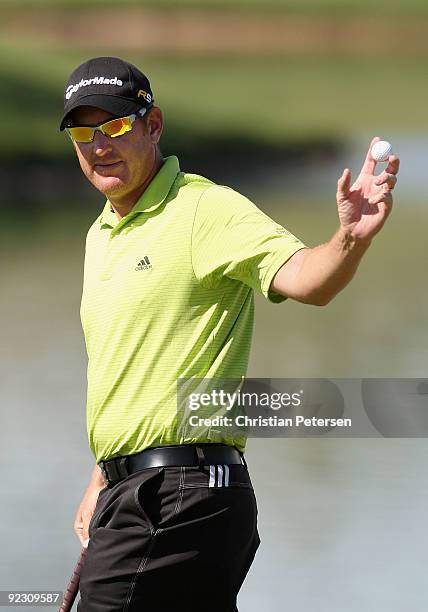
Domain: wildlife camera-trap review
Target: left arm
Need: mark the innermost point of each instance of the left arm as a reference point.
(315, 276)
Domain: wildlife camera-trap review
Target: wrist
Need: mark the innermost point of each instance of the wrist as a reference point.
(349, 242)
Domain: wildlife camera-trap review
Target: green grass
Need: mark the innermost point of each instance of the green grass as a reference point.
(270, 100)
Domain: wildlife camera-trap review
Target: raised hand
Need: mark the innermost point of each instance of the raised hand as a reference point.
(364, 207)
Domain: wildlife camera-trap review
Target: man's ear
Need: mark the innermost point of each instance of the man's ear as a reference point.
(155, 124)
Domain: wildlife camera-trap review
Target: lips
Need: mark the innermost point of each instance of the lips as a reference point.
(104, 167)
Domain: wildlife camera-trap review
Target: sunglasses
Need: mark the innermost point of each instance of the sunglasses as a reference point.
(112, 129)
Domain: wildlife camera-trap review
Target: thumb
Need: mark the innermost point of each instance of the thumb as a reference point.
(343, 186)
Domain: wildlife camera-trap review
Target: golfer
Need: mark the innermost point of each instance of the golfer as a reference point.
(171, 264)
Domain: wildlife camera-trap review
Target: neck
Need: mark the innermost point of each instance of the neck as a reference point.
(123, 205)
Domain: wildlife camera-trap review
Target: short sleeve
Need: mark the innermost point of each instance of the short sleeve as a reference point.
(233, 238)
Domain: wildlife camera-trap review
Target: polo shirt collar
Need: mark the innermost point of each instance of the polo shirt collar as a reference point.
(159, 186)
(153, 196)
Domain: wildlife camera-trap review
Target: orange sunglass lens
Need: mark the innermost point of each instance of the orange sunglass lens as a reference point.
(81, 134)
(117, 127)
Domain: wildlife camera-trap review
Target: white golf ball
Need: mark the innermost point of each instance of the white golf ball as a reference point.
(381, 150)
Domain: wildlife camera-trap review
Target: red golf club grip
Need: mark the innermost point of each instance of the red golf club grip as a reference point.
(73, 585)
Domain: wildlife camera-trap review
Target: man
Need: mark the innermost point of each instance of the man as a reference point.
(170, 520)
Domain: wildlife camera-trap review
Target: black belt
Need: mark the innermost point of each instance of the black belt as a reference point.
(170, 456)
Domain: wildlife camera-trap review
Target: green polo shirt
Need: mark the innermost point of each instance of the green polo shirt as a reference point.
(167, 294)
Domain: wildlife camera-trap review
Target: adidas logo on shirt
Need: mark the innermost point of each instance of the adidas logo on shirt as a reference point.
(144, 264)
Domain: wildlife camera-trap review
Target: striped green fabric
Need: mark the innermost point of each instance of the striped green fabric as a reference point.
(168, 293)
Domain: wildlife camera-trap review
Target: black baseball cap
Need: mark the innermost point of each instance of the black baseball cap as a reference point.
(109, 83)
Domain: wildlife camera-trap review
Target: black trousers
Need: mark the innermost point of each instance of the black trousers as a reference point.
(175, 539)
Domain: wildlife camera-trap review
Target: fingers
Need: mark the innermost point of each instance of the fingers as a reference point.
(81, 526)
(86, 516)
(393, 164)
(78, 530)
(385, 206)
(385, 198)
(343, 185)
(369, 164)
(387, 179)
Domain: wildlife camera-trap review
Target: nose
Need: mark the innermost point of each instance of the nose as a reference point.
(101, 143)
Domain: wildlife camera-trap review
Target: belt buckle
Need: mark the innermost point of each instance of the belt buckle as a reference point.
(114, 470)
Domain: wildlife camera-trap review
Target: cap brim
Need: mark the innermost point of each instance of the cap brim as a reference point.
(111, 104)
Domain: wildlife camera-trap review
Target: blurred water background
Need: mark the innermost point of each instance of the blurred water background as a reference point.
(272, 98)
